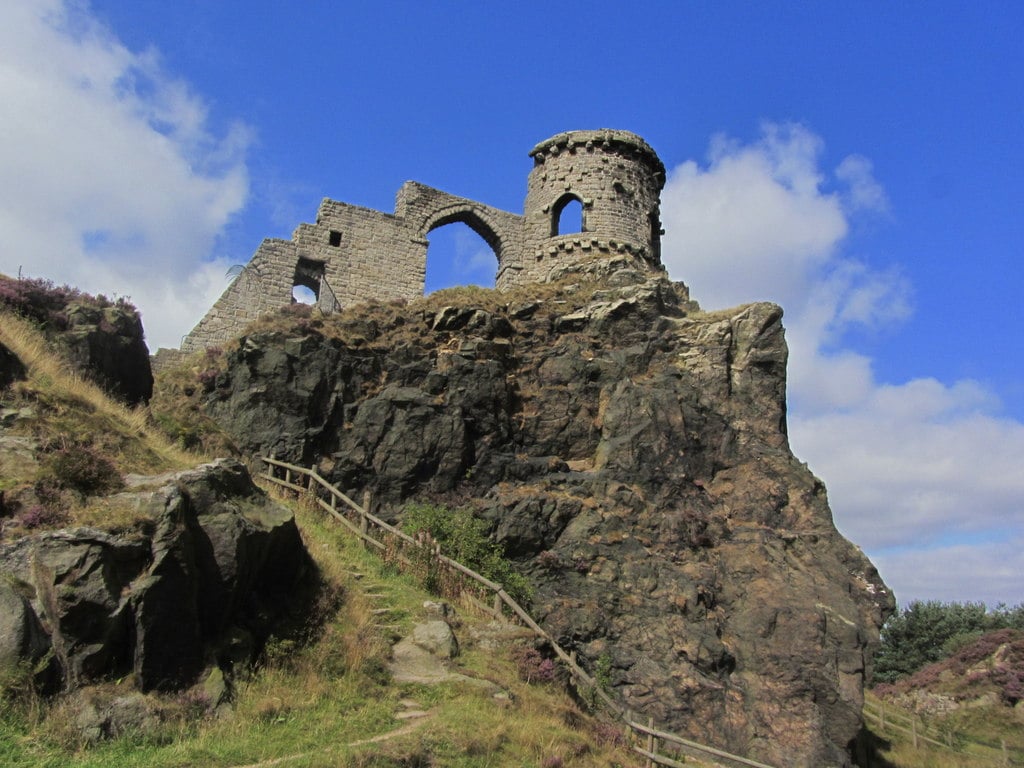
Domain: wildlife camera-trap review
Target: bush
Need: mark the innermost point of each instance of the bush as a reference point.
(39, 516)
(926, 632)
(45, 303)
(533, 666)
(78, 468)
(464, 539)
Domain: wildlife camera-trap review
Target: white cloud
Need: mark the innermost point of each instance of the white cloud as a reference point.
(918, 472)
(754, 224)
(988, 572)
(113, 180)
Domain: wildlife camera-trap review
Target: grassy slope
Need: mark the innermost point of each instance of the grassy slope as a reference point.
(315, 703)
(982, 677)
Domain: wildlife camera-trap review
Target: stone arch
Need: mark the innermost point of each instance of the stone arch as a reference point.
(558, 208)
(309, 274)
(473, 218)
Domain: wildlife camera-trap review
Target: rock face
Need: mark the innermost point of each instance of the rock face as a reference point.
(107, 344)
(220, 560)
(631, 454)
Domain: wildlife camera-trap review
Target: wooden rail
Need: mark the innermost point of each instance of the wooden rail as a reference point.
(887, 717)
(292, 479)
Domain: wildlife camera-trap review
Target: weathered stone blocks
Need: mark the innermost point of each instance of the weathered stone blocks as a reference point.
(353, 254)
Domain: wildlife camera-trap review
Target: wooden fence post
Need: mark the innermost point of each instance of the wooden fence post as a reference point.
(913, 730)
(366, 501)
(1006, 755)
(497, 605)
(650, 742)
(881, 717)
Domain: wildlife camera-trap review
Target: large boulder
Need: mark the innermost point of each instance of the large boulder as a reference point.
(217, 559)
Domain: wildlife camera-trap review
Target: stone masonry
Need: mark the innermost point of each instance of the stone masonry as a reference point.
(353, 254)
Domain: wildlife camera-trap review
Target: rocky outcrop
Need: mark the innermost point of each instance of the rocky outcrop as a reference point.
(216, 561)
(108, 345)
(631, 453)
(100, 338)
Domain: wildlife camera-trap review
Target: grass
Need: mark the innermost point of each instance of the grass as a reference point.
(84, 442)
(322, 700)
(67, 407)
(975, 735)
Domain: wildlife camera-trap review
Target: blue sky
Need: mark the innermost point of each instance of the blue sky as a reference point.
(860, 164)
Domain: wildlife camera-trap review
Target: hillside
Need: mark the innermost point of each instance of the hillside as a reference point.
(630, 454)
(321, 693)
(963, 711)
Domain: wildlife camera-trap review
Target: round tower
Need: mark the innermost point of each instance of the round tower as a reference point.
(592, 194)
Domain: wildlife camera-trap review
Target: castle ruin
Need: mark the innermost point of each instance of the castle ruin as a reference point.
(613, 179)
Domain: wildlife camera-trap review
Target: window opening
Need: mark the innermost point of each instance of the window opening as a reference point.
(456, 255)
(334, 238)
(568, 217)
(306, 283)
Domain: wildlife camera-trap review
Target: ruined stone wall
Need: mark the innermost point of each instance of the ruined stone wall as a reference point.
(367, 254)
(263, 285)
(353, 254)
(426, 209)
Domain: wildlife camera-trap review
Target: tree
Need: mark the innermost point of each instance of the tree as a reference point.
(925, 632)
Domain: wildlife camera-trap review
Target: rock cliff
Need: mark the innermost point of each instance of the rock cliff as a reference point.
(631, 453)
(213, 565)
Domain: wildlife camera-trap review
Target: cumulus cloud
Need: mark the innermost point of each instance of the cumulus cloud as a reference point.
(918, 471)
(113, 180)
(988, 572)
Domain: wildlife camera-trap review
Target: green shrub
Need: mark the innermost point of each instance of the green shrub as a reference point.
(464, 539)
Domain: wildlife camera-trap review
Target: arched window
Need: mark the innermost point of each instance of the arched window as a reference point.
(567, 216)
(306, 282)
(457, 255)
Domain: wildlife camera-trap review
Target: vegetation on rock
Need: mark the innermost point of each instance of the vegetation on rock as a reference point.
(464, 538)
(100, 338)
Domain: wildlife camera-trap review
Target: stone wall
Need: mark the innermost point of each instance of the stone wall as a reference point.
(353, 254)
(426, 209)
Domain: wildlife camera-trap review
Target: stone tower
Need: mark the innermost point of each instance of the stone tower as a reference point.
(611, 182)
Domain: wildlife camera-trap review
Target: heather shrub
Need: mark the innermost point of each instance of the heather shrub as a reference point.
(39, 516)
(78, 468)
(533, 666)
(46, 303)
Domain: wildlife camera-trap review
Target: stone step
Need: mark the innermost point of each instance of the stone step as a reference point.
(411, 714)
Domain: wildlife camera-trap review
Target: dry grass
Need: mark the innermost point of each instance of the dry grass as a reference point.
(69, 406)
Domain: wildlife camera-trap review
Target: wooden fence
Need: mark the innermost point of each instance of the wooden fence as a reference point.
(303, 480)
(887, 717)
